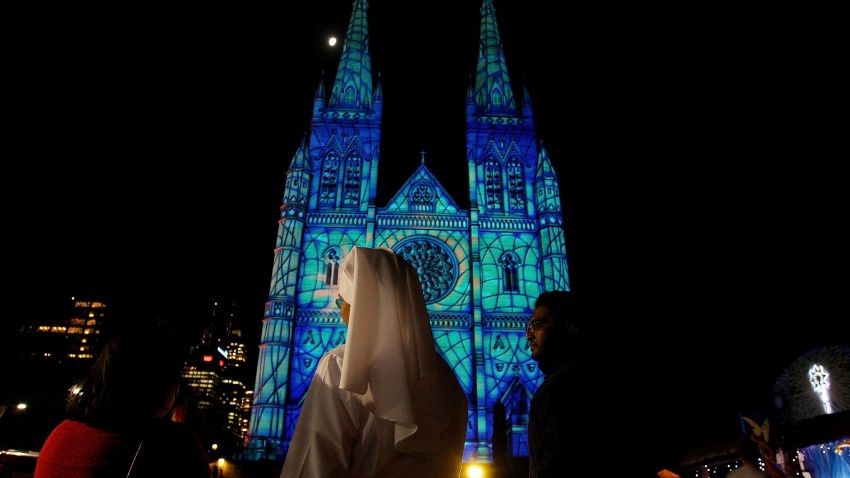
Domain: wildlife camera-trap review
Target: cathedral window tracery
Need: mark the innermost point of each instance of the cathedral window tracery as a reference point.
(422, 199)
(497, 99)
(493, 183)
(350, 97)
(332, 258)
(351, 194)
(516, 185)
(330, 175)
(434, 265)
(510, 272)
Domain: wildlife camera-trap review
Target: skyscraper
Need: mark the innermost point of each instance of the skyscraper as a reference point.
(72, 340)
(215, 374)
(481, 269)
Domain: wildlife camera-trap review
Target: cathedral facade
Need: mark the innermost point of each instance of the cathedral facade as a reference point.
(481, 269)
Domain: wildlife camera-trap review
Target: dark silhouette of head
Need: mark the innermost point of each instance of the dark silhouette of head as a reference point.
(555, 329)
(747, 450)
(133, 379)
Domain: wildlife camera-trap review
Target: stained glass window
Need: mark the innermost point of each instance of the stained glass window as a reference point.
(422, 199)
(332, 258)
(351, 195)
(433, 262)
(330, 176)
(493, 183)
(510, 277)
(350, 97)
(497, 99)
(516, 185)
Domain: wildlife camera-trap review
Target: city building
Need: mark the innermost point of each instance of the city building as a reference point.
(216, 374)
(72, 340)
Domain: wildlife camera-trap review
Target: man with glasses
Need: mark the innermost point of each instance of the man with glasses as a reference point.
(557, 444)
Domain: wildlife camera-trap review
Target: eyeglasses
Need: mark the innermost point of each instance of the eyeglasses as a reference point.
(534, 325)
(339, 301)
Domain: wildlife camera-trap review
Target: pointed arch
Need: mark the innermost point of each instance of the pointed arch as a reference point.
(517, 401)
(493, 183)
(510, 271)
(332, 257)
(516, 185)
(329, 179)
(349, 98)
(497, 99)
(351, 184)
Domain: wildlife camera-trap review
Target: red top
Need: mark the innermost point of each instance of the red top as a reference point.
(78, 450)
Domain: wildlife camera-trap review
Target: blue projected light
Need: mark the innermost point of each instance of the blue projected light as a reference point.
(481, 269)
(434, 263)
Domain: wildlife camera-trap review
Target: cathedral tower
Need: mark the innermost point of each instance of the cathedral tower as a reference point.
(480, 269)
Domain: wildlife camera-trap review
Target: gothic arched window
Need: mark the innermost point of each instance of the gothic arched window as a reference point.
(516, 185)
(332, 259)
(350, 97)
(330, 175)
(510, 272)
(351, 185)
(493, 183)
(497, 99)
(422, 199)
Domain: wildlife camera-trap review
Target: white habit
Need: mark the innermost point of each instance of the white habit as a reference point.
(385, 404)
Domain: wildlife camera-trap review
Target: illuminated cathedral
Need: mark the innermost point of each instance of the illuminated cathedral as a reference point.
(481, 269)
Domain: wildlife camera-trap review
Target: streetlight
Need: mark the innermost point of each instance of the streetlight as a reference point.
(474, 471)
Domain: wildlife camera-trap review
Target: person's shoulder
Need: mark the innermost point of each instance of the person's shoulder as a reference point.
(74, 429)
(337, 353)
(329, 368)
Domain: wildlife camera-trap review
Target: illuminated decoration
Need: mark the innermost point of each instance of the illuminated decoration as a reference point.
(815, 384)
(819, 378)
(481, 269)
(826, 459)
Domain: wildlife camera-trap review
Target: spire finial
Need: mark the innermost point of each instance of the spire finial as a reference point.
(423, 155)
(493, 90)
(352, 88)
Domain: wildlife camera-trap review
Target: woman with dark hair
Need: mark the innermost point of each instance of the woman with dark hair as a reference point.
(119, 422)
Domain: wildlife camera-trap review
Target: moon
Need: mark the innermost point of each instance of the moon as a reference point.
(332, 41)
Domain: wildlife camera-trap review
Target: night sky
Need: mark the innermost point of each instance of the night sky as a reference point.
(696, 149)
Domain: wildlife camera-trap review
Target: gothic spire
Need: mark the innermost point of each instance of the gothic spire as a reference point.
(493, 93)
(526, 103)
(319, 99)
(299, 161)
(546, 185)
(544, 165)
(320, 91)
(379, 95)
(353, 84)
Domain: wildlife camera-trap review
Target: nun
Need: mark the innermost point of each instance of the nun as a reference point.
(384, 404)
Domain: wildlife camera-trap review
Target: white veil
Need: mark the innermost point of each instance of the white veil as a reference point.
(390, 360)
